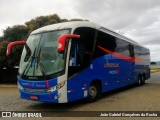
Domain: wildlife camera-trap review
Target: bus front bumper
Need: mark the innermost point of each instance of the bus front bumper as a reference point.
(42, 97)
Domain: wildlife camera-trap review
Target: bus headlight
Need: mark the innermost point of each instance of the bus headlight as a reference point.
(56, 87)
(20, 87)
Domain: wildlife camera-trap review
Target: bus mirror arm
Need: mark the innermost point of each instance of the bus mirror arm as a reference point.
(62, 41)
(10, 45)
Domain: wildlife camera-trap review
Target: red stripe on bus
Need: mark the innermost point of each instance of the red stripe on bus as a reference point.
(123, 57)
(47, 84)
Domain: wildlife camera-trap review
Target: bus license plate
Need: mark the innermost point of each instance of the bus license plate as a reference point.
(33, 97)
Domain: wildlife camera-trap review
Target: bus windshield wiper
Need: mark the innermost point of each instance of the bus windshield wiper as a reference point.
(38, 62)
(32, 58)
(34, 61)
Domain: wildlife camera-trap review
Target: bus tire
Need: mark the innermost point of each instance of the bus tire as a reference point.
(94, 92)
(143, 79)
(139, 80)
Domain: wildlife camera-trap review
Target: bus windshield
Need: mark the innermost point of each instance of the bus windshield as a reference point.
(40, 56)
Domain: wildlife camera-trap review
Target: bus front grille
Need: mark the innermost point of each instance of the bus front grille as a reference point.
(35, 90)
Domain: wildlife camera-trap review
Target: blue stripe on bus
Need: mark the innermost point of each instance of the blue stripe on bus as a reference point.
(111, 71)
(41, 84)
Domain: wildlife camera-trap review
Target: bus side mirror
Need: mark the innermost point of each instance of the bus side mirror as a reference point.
(10, 45)
(62, 41)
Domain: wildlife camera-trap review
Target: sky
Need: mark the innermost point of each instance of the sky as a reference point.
(136, 19)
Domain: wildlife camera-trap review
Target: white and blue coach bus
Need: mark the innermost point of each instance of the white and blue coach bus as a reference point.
(74, 60)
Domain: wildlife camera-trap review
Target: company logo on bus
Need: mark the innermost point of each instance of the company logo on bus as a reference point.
(28, 84)
(114, 72)
(39, 85)
(111, 65)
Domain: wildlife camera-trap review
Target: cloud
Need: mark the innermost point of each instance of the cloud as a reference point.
(155, 51)
(137, 19)
(118, 14)
(20, 11)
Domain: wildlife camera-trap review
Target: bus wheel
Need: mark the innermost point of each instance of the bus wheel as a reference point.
(143, 79)
(139, 80)
(94, 92)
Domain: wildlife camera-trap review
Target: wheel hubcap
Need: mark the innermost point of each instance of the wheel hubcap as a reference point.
(92, 91)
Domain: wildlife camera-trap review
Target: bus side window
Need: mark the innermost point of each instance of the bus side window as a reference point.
(122, 47)
(81, 50)
(28, 53)
(106, 41)
(131, 50)
(84, 45)
(73, 55)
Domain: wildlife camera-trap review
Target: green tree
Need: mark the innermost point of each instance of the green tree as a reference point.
(21, 32)
(153, 63)
(42, 21)
(76, 19)
(17, 32)
(13, 59)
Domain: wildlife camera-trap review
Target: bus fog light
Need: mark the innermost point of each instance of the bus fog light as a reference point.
(57, 87)
(60, 85)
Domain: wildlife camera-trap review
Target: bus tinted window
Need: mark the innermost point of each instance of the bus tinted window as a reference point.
(122, 47)
(106, 41)
(81, 50)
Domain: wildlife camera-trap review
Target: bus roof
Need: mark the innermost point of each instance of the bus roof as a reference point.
(65, 25)
(76, 24)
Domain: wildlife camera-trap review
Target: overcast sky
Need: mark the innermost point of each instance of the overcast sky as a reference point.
(137, 19)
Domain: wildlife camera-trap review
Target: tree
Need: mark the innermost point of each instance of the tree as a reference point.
(42, 21)
(14, 33)
(153, 63)
(21, 32)
(76, 19)
(13, 59)
(17, 32)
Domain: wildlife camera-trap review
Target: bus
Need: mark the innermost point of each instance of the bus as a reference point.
(70, 61)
